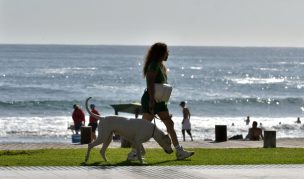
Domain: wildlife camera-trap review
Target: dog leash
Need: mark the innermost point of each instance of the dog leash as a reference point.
(154, 126)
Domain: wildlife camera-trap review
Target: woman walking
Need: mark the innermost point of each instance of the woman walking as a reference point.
(155, 71)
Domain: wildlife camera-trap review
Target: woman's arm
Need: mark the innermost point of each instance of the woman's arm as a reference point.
(189, 115)
(150, 85)
(186, 113)
(261, 134)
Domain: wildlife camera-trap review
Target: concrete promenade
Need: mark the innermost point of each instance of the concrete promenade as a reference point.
(156, 172)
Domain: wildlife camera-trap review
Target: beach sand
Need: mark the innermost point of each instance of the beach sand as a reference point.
(283, 142)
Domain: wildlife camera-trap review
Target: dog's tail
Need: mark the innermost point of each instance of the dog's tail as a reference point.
(89, 111)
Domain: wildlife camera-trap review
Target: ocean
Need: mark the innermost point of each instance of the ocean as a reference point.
(222, 85)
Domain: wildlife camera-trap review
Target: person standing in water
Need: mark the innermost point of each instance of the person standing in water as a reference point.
(186, 125)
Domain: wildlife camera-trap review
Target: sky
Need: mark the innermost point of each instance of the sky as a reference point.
(143, 22)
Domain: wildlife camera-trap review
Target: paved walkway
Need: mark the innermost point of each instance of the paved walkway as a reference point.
(156, 172)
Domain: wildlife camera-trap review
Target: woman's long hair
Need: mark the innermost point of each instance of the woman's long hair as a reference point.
(156, 52)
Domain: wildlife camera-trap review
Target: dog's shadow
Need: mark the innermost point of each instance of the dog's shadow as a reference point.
(90, 164)
(123, 163)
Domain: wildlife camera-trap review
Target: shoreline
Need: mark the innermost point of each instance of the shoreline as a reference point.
(280, 143)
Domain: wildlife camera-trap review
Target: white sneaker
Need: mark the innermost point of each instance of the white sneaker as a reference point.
(182, 154)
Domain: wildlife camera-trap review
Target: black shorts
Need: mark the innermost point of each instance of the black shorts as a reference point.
(94, 126)
(159, 107)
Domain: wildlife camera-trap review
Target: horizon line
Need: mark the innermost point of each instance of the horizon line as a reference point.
(142, 45)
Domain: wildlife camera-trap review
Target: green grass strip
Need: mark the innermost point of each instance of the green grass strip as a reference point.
(118, 156)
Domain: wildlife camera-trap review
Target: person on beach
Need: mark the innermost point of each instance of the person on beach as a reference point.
(186, 125)
(93, 121)
(78, 118)
(254, 132)
(155, 71)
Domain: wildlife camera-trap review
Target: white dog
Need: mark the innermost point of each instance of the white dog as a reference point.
(137, 131)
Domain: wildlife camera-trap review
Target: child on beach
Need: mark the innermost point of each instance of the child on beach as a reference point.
(186, 125)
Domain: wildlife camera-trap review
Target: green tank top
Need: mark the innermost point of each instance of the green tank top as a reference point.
(161, 76)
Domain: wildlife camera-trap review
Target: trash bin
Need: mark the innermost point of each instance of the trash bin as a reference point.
(270, 139)
(220, 133)
(86, 132)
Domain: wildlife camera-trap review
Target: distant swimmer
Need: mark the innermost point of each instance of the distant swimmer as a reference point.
(298, 121)
(247, 120)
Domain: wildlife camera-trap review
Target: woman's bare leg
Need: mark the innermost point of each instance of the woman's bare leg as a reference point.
(181, 154)
(147, 116)
(166, 119)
